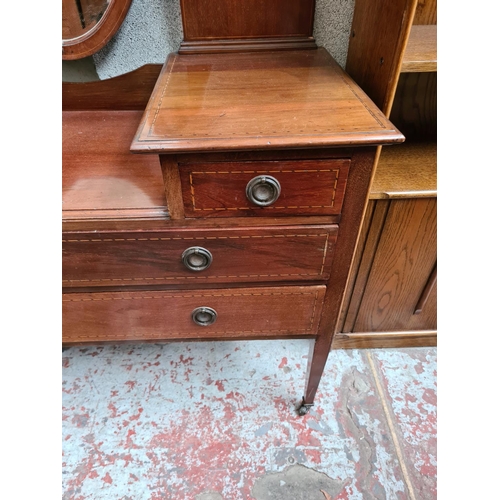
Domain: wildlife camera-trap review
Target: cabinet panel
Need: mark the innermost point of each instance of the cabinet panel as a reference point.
(260, 254)
(414, 110)
(307, 187)
(404, 260)
(171, 315)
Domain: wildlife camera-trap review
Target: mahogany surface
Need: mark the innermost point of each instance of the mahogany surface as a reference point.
(101, 178)
(166, 315)
(129, 91)
(227, 19)
(258, 100)
(296, 253)
(308, 187)
(355, 203)
(246, 45)
(215, 120)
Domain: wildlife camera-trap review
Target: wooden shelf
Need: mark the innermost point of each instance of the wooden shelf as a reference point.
(421, 51)
(406, 171)
(101, 178)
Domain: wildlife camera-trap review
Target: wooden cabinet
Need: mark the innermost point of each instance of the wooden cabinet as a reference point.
(397, 263)
(231, 208)
(391, 297)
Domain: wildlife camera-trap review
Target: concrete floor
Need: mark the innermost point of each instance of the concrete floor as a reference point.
(217, 421)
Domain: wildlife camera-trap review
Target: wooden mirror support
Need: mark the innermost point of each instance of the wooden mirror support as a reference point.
(89, 41)
(229, 26)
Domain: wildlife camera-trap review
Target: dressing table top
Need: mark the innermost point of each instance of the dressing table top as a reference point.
(258, 100)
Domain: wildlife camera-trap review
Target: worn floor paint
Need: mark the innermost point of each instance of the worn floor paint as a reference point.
(206, 421)
(410, 384)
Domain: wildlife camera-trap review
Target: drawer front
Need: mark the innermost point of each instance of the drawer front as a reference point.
(289, 253)
(236, 189)
(165, 315)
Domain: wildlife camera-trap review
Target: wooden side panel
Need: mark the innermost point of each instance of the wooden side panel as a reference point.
(373, 226)
(219, 19)
(379, 34)
(244, 312)
(239, 255)
(415, 106)
(356, 200)
(405, 258)
(355, 266)
(314, 187)
(426, 12)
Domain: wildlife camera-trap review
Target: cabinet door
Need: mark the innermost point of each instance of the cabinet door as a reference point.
(401, 273)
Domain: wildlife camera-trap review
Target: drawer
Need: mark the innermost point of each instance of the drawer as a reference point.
(264, 188)
(287, 253)
(168, 315)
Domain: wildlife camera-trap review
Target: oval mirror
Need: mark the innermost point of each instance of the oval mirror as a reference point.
(88, 25)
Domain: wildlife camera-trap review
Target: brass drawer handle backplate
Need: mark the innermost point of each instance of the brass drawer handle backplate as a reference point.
(204, 316)
(197, 258)
(263, 190)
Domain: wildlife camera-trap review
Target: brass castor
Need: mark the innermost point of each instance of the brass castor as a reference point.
(304, 408)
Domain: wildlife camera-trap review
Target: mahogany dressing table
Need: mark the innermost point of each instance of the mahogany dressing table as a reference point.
(230, 208)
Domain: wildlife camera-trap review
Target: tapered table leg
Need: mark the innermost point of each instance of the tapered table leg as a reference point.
(318, 355)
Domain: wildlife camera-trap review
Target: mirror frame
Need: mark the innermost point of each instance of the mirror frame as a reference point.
(96, 38)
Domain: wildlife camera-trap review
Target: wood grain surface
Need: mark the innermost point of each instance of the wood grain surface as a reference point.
(379, 34)
(355, 204)
(407, 171)
(386, 340)
(405, 257)
(166, 315)
(426, 12)
(129, 91)
(246, 45)
(101, 179)
(308, 187)
(421, 52)
(373, 225)
(227, 19)
(415, 106)
(258, 100)
(295, 253)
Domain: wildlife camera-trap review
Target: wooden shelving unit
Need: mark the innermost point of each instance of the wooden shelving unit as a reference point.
(421, 52)
(391, 297)
(408, 171)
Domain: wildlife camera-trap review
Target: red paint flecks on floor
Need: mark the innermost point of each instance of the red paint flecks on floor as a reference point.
(411, 390)
(174, 439)
(107, 478)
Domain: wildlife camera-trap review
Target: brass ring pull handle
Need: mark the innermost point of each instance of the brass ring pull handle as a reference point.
(197, 258)
(204, 316)
(263, 190)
